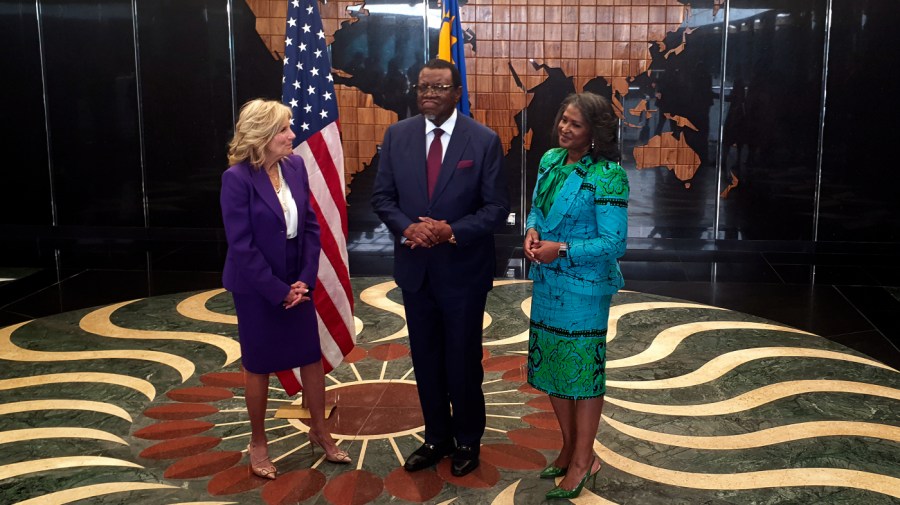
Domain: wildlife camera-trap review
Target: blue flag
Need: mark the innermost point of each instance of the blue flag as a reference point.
(450, 47)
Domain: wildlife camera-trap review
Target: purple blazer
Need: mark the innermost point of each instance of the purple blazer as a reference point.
(257, 233)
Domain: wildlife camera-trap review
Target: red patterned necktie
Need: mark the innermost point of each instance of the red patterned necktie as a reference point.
(435, 152)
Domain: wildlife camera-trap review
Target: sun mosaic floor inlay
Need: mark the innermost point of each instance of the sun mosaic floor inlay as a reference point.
(141, 403)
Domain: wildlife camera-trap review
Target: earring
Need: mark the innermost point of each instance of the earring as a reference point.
(592, 144)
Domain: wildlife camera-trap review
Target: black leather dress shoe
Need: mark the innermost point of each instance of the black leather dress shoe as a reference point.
(465, 459)
(426, 456)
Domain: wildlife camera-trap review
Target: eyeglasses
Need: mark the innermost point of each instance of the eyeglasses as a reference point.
(434, 88)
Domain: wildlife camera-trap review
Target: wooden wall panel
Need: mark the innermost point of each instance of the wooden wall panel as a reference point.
(608, 38)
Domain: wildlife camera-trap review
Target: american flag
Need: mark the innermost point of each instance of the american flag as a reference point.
(307, 87)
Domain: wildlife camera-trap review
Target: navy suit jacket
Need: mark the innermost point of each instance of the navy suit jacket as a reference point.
(257, 232)
(470, 194)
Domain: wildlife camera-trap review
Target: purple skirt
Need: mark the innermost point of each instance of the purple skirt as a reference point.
(274, 339)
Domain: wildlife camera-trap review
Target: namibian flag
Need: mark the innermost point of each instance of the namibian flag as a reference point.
(450, 47)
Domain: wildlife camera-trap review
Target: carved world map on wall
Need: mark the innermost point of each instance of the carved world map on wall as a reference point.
(513, 49)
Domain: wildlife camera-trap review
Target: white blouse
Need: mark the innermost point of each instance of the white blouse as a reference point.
(288, 205)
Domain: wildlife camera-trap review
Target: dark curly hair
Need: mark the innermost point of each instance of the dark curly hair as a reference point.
(601, 119)
(439, 64)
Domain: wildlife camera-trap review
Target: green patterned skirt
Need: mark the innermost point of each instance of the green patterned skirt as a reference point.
(567, 343)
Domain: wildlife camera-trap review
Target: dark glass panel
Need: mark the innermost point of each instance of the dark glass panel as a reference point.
(859, 200)
(535, 121)
(25, 197)
(773, 95)
(257, 72)
(382, 53)
(379, 54)
(671, 161)
(186, 97)
(89, 54)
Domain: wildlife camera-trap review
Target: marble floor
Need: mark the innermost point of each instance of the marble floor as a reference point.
(119, 387)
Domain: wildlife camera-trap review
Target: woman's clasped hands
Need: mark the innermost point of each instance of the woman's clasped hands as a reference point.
(297, 295)
(537, 250)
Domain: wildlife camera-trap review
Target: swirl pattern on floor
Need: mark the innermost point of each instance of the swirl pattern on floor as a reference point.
(141, 402)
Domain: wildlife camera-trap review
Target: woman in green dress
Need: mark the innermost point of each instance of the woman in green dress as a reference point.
(576, 230)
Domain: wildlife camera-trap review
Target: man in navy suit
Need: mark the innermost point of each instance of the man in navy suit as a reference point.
(441, 190)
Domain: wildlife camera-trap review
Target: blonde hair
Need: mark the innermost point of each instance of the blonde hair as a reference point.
(260, 120)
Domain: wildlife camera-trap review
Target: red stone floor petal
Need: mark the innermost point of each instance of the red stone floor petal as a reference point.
(355, 355)
(414, 486)
(293, 487)
(353, 488)
(526, 388)
(223, 379)
(400, 395)
(180, 447)
(375, 409)
(172, 429)
(541, 402)
(502, 363)
(362, 395)
(388, 352)
(391, 420)
(201, 394)
(483, 477)
(546, 420)
(347, 420)
(537, 438)
(512, 457)
(201, 465)
(179, 411)
(235, 480)
(519, 374)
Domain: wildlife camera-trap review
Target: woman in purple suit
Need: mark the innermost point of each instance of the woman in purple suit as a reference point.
(270, 269)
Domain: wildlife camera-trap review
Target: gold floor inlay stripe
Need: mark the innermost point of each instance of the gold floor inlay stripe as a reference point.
(12, 352)
(669, 339)
(770, 436)
(23, 435)
(790, 477)
(36, 405)
(376, 296)
(508, 495)
(43, 465)
(194, 307)
(760, 396)
(617, 311)
(81, 493)
(139, 385)
(99, 323)
(507, 282)
(720, 365)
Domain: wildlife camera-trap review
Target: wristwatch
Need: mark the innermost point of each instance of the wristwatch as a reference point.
(452, 238)
(563, 251)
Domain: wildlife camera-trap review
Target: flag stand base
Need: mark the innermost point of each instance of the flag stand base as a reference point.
(299, 412)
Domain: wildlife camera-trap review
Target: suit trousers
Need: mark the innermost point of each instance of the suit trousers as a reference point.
(445, 335)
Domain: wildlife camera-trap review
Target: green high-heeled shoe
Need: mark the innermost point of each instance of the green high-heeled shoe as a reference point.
(559, 492)
(553, 471)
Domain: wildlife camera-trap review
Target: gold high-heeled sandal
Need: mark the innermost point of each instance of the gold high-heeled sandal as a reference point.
(266, 472)
(337, 456)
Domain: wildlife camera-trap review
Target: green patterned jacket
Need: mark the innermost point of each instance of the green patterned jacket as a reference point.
(590, 213)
